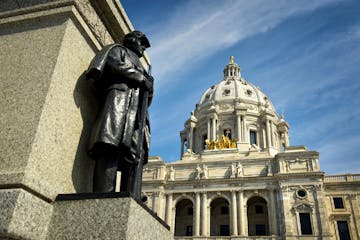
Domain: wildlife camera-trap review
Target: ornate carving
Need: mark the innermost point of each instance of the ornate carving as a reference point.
(303, 207)
(249, 92)
(94, 22)
(224, 142)
(225, 106)
(226, 92)
(201, 173)
(170, 174)
(236, 170)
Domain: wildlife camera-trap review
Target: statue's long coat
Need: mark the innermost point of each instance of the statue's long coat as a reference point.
(117, 74)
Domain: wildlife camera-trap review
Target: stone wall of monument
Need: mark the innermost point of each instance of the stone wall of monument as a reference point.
(46, 106)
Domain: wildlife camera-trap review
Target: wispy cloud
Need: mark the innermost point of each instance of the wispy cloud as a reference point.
(324, 77)
(196, 32)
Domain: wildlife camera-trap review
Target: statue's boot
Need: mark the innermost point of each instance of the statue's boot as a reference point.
(105, 174)
(128, 178)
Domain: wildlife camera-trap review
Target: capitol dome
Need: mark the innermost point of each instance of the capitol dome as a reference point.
(236, 109)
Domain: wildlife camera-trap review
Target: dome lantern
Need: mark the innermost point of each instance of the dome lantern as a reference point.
(232, 69)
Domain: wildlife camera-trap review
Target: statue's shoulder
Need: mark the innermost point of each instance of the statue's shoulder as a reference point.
(105, 50)
(98, 63)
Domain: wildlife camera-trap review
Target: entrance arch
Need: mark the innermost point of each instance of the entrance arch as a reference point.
(184, 218)
(219, 217)
(258, 217)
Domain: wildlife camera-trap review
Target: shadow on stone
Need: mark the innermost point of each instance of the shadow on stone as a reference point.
(84, 99)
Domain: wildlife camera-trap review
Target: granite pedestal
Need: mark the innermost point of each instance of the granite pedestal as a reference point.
(104, 216)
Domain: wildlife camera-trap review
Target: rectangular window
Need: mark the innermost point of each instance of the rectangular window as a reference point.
(224, 230)
(260, 230)
(338, 203)
(189, 231)
(343, 230)
(253, 139)
(305, 223)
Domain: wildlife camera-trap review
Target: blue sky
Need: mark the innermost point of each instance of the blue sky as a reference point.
(305, 55)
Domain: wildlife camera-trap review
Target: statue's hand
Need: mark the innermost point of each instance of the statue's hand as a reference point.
(148, 82)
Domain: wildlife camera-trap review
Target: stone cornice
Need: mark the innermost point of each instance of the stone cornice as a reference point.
(280, 176)
(287, 155)
(106, 19)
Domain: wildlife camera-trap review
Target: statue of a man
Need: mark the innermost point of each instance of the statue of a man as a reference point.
(122, 86)
(239, 170)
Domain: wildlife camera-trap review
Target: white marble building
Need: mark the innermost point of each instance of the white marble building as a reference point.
(252, 183)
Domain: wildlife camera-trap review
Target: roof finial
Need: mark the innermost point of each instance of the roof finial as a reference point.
(232, 60)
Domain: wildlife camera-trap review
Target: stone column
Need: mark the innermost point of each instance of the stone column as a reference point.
(204, 220)
(272, 135)
(209, 129)
(172, 225)
(263, 133)
(214, 128)
(197, 214)
(191, 137)
(238, 126)
(322, 216)
(234, 225)
(169, 207)
(268, 137)
(273, 218)
(246, 228)
(241, 217)
(159, 204)
(182, 148)
(244, 136)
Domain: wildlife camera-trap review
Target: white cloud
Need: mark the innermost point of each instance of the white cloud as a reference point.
(195, 31)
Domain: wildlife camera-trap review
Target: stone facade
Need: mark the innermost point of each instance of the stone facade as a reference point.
(261, 187)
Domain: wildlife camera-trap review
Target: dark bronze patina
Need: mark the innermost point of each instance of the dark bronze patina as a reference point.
(121, 134)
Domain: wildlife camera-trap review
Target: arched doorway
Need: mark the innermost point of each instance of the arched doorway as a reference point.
(219, 217)
(258, 220)
(184, 218)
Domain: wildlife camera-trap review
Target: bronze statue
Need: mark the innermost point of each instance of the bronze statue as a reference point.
(121, 134)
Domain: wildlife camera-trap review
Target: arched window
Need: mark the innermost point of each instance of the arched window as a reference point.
(258, 221)
(220, 218)
(184, 218)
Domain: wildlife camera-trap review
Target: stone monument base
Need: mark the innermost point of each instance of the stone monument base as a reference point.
(104, 216)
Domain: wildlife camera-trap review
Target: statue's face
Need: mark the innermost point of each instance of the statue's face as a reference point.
(137, 45)
(137, 42)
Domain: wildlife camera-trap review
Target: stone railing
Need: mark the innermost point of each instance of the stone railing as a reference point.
(342, 178)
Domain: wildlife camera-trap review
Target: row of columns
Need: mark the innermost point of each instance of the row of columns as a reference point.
(238, 213)
(241, 127)
(211, 128)
(241, 130)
